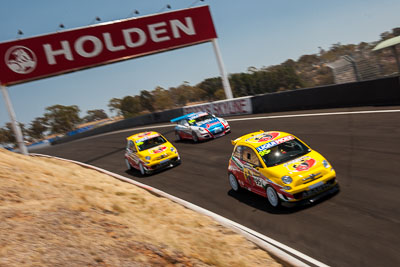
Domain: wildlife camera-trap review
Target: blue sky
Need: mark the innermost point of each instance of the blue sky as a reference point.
(251, 33)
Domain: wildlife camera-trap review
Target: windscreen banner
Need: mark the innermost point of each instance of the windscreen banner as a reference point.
(71, 50)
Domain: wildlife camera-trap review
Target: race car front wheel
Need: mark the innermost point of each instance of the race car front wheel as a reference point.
(272, 197)
(195, 138)
(233, 182)
(178, 136)
(142, 170)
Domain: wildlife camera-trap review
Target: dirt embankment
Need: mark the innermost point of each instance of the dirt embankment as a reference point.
(54, 213)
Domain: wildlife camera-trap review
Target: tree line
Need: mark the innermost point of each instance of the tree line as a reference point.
(307, 71)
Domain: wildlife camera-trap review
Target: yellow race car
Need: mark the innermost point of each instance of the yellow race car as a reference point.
(150, 151)
(280, 167)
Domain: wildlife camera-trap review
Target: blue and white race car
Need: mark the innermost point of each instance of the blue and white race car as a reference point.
(200, 126)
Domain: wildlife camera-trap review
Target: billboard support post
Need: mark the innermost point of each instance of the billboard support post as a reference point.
(224, 76)
(15, 126)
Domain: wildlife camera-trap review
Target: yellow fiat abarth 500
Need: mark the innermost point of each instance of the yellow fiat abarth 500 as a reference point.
(280, 167)
(150, 151)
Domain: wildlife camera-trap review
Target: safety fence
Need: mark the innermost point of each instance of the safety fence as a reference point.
(384, 91)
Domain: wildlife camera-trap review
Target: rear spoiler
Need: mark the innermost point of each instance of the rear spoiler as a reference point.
(245, 136)
(182, 117)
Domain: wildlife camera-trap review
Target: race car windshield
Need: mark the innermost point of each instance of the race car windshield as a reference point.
(202, 118)
(283, 152)
(149, 143)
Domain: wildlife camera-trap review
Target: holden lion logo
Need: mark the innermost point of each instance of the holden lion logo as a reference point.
(20, 59)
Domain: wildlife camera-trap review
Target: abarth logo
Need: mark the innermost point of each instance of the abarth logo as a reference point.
(311, 177)
(20, 59)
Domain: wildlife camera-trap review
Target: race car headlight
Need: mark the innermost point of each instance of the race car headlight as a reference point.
(224, 121)
(286, 179)
(147, 158)
(172, 149)
(326, 164)
(286, 188)
(202, 130)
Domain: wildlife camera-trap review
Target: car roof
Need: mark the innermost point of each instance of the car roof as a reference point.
(142, 135)
(190, 116)
(259, 138)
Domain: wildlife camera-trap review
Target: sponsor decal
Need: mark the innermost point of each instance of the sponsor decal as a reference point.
(158, 149)
(262, 137)
(208, 125)
(301, 164)
(274, 143)
(146, 138)
(144, 134)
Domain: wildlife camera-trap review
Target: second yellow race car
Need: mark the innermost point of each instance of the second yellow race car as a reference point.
(150, 151)
(280, 167)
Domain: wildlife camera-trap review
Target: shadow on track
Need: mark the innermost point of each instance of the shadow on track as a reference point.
(136, 173)
(105, 155)
(261, 203)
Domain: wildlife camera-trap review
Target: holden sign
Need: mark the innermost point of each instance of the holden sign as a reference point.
(53, 54)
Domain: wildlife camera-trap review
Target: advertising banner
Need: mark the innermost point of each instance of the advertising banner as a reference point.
(236, 106)
(71, 50)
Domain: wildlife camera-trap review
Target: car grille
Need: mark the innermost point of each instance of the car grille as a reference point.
(316, 190)
(161, 165)
(312, 177)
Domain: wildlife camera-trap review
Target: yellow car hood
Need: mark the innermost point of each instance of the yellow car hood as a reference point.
(303, 169)
(158, 152)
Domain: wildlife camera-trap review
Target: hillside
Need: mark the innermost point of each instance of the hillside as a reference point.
(54, 213)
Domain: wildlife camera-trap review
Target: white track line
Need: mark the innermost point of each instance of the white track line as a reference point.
(317, 114)
(261, 118)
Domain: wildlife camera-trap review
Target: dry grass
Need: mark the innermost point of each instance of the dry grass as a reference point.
(54, 213)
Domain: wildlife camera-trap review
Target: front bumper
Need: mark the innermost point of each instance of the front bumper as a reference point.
(328, 187)
(210, 135)
(166, 163)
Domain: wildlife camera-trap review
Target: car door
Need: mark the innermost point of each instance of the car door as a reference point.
(184, 129)
(251, 172)
(132, 156)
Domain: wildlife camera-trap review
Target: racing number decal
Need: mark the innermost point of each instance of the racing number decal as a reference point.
(258, 181)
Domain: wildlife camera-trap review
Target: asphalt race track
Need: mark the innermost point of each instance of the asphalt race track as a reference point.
(359, 226)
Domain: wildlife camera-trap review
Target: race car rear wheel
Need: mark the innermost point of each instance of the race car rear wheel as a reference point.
(178, 136)
(272, 197)
(128, 164)
(233, 182)
(195, 138)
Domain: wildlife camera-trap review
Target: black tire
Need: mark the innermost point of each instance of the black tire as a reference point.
(178, 136)
(195, 137)
(128, 164)
(143, 172)
(273, 198)
(233, 182)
